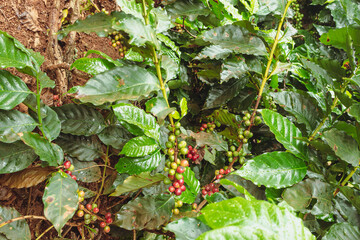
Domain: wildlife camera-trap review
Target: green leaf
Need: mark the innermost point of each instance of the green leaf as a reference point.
(183, 107)
(139, 147)
(45, 81)
(302, 106)
(231, 9)
(233, 68)
(322, 76)
(342, 231)
(138, 117)
(115, 135)
(79, 119)
(238, 187)
(60, 199)
(86, 171)
(192, 186)
(187, 228)
(226, 118)
(15, 157)
(51, 123)
(140, 34)
(341, 37)
(274, 169)
(92, 66)
(148, 212)
(236, 38)
(213, 52)
(15, 230)
(100, 23)
(213, 140)
(136, 182)
(158, 107)
(128, 82)
(48, 152)
(80, 147)
(344, 146)
(253, 220)
(285, 132)
(353, 195)
(301, 195)
(354, 111)
(222, 93)
(12, 90)
(138, 165)
(13, 122)
(14, 54)
(188, 8)
(131, 7)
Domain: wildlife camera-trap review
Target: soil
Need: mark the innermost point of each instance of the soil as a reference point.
(34, 23)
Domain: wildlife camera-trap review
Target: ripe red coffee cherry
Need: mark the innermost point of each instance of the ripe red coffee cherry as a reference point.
(80, 213)
(171, 189)
(108, 215)
(73, 177)
(227, 171)
(88, 206)
(107, 229)
(178, 191)
(109, 220)
(222, 171)
(96, 210)
(190, 156)
(102, 224)
(211, 185)
(176, 185)
(183, 188)
(215, 190)
(55, 97)
(204, 192)
(204, 125)
(207, 188)
(180, 169)
(68, 172)
(219, 176)
(184, 163)
(181, 181)
(190, 148)
(67, 164)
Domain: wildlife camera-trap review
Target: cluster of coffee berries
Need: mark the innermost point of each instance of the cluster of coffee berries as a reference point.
(88, 217)
(108, 220)
(221, 172)
(209, 189)
(178, 28)
(81, 195)
(69, 168)
(298, 16)
(269, 103)
(118, 41)
(193, 153)
(175, 167)
(178, 204)
(104, 11)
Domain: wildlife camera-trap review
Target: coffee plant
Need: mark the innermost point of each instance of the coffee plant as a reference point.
(221, 119)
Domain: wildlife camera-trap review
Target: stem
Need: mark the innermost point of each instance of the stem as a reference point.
(45, 232)
(346, 180)
(38, 93)
(21, 218)
(104, 172)
(157, 63)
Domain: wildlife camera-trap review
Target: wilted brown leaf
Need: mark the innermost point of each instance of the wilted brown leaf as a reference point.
(26, 178)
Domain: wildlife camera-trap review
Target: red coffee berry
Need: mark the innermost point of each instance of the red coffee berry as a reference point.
(190, 148)
(227, 171)
(67, 164)
(215, 190)
(73, 177)
(109, 220)
(96, 210)
(80, 213)
(88, 206)
(55, 97)
(68, 172)
(183, 188)
(180, 169)
(171, 189)
(207, 188)
(204, 125)
(211, 185)
(219, 176)
(176, 185)
(103, 224)
(201, 129)
(196, 156)
(222, 171)
(210, 193)
(184, 163)
(181, 181)
(108, 215)
(190, 156)
(178, 191)
(204, 192)
(171, 177)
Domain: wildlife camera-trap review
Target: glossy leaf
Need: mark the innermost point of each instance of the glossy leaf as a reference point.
(342, 231)
(343, 145)
(355, 111)
(115, 135)
(130, 7)
(120, 83)
(12, 89)
(138, 165)
(189, 8)
(15, 230)
(183, 107)
(238, 187)
(80, 147)
(138, 117)
(214, 52)
(211, 139)
(301, 195)
(13, 122)
(302, 106)
(79, 119)
(60, 199)
(48, 152)
(15, 157)
(139, 147)
(285, 132)
(233, 69)
(353, 195)
(51, 122)
(148, 212)
(159, 108)
(192, 186)
(341, 37)
(92, 66)
(187, 228)
(226, 118)
(86, 171)
(274, 169)
(253, 219)
(223, 93)
(235, 38)
(136, 182)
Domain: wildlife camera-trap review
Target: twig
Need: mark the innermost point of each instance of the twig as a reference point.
(22, 218)
(104, 172)
(134, 234)
(45, 232)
